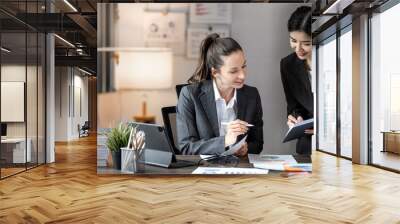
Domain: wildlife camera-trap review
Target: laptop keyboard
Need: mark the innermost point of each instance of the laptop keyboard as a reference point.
(182, 163)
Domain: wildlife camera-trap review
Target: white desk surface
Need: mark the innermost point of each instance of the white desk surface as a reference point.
(13, 140)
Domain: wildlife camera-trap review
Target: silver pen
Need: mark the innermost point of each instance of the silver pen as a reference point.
(227, 123)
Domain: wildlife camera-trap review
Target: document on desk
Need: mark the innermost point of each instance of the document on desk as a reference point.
(278, 162)
(228, 171)
(298, 167)
(268, 158)
(235, 147)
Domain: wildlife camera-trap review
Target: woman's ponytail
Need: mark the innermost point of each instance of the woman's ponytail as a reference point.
(211, 51)
(203, 71)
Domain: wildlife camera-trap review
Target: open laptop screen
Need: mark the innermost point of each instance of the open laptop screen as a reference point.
(156, 137)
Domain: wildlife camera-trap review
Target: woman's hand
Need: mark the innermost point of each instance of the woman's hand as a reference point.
(242, 151)
(309, 131)
(292, 120)
(234, 129)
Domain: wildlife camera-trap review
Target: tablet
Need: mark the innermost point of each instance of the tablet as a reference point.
(298, 129)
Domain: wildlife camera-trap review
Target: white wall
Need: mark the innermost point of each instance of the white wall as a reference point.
(61, 103)
(33, 126)
(261, 31)
(15, 72)
(68, 81)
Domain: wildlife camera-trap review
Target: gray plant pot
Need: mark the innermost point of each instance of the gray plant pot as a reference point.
(116, 157)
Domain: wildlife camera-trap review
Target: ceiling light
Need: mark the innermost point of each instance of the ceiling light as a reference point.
(5, 50)
(70, 5)
(64, 40)
(84, 71)
(338, 6)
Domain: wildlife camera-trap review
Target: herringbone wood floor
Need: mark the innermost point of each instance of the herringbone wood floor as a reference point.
(69, 191)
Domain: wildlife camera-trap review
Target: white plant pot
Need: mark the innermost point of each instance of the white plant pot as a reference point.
(130, 161)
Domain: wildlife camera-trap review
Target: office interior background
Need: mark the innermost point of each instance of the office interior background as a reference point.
(48, 82)
(264, 43)
(49, 74)
(76, 68)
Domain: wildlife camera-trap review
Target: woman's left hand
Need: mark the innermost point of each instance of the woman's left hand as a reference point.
(242, 151)
(309, 131)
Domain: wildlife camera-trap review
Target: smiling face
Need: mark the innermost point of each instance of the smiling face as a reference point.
(300, 42)
(232, 73)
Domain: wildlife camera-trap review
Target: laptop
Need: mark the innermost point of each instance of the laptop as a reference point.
(158, 149)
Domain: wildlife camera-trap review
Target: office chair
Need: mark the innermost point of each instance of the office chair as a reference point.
(179, 87)
(169, 118)
(84, 130)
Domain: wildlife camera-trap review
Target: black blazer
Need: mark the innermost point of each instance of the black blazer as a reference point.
(299, 96)
(197, 120)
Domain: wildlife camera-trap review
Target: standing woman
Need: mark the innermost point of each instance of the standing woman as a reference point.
(217, 107)
(296, 76)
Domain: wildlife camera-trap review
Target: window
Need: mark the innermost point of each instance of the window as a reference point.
(385, 88)
(327, 95)
(346, 92)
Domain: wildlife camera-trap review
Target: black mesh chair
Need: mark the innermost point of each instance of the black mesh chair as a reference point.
(84, 130)
(179, 87)
(169, 118)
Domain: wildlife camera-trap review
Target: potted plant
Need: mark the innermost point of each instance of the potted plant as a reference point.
(116, 139)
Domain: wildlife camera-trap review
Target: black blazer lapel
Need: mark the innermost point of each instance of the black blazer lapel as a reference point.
(303, 74)
(241, 104)
(207, 100)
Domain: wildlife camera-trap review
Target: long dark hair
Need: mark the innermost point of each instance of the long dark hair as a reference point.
(211, 50)
(300, 20)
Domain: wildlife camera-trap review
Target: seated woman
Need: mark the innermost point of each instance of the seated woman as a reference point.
(217, 106)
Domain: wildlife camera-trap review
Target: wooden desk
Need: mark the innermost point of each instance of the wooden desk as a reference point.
(13, 150)
(391, 141)
(155, 170)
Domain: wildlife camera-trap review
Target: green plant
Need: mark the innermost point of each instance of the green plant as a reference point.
(118, 137)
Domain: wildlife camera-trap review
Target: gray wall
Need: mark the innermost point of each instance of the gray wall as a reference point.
(261, 30)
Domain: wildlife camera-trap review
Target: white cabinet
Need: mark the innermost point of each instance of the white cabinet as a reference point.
(18, 149)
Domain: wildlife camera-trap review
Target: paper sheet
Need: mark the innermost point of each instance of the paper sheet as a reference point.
(195, 35)
(210, 13)
(234, 148)
(267, 158)
(206, 156)
(279, 162)
(231, 171)
(299, 167)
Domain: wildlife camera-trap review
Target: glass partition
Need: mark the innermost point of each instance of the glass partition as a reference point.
(13, 105)
(31, 100)
(22, 90)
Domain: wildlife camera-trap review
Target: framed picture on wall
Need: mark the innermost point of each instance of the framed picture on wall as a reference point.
(164, 28)
(197, 34)
(220, 13)
(12, 101)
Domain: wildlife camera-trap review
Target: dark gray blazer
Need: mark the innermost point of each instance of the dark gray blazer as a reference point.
(197, 120)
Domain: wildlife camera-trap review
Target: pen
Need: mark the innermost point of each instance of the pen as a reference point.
(247, 125)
